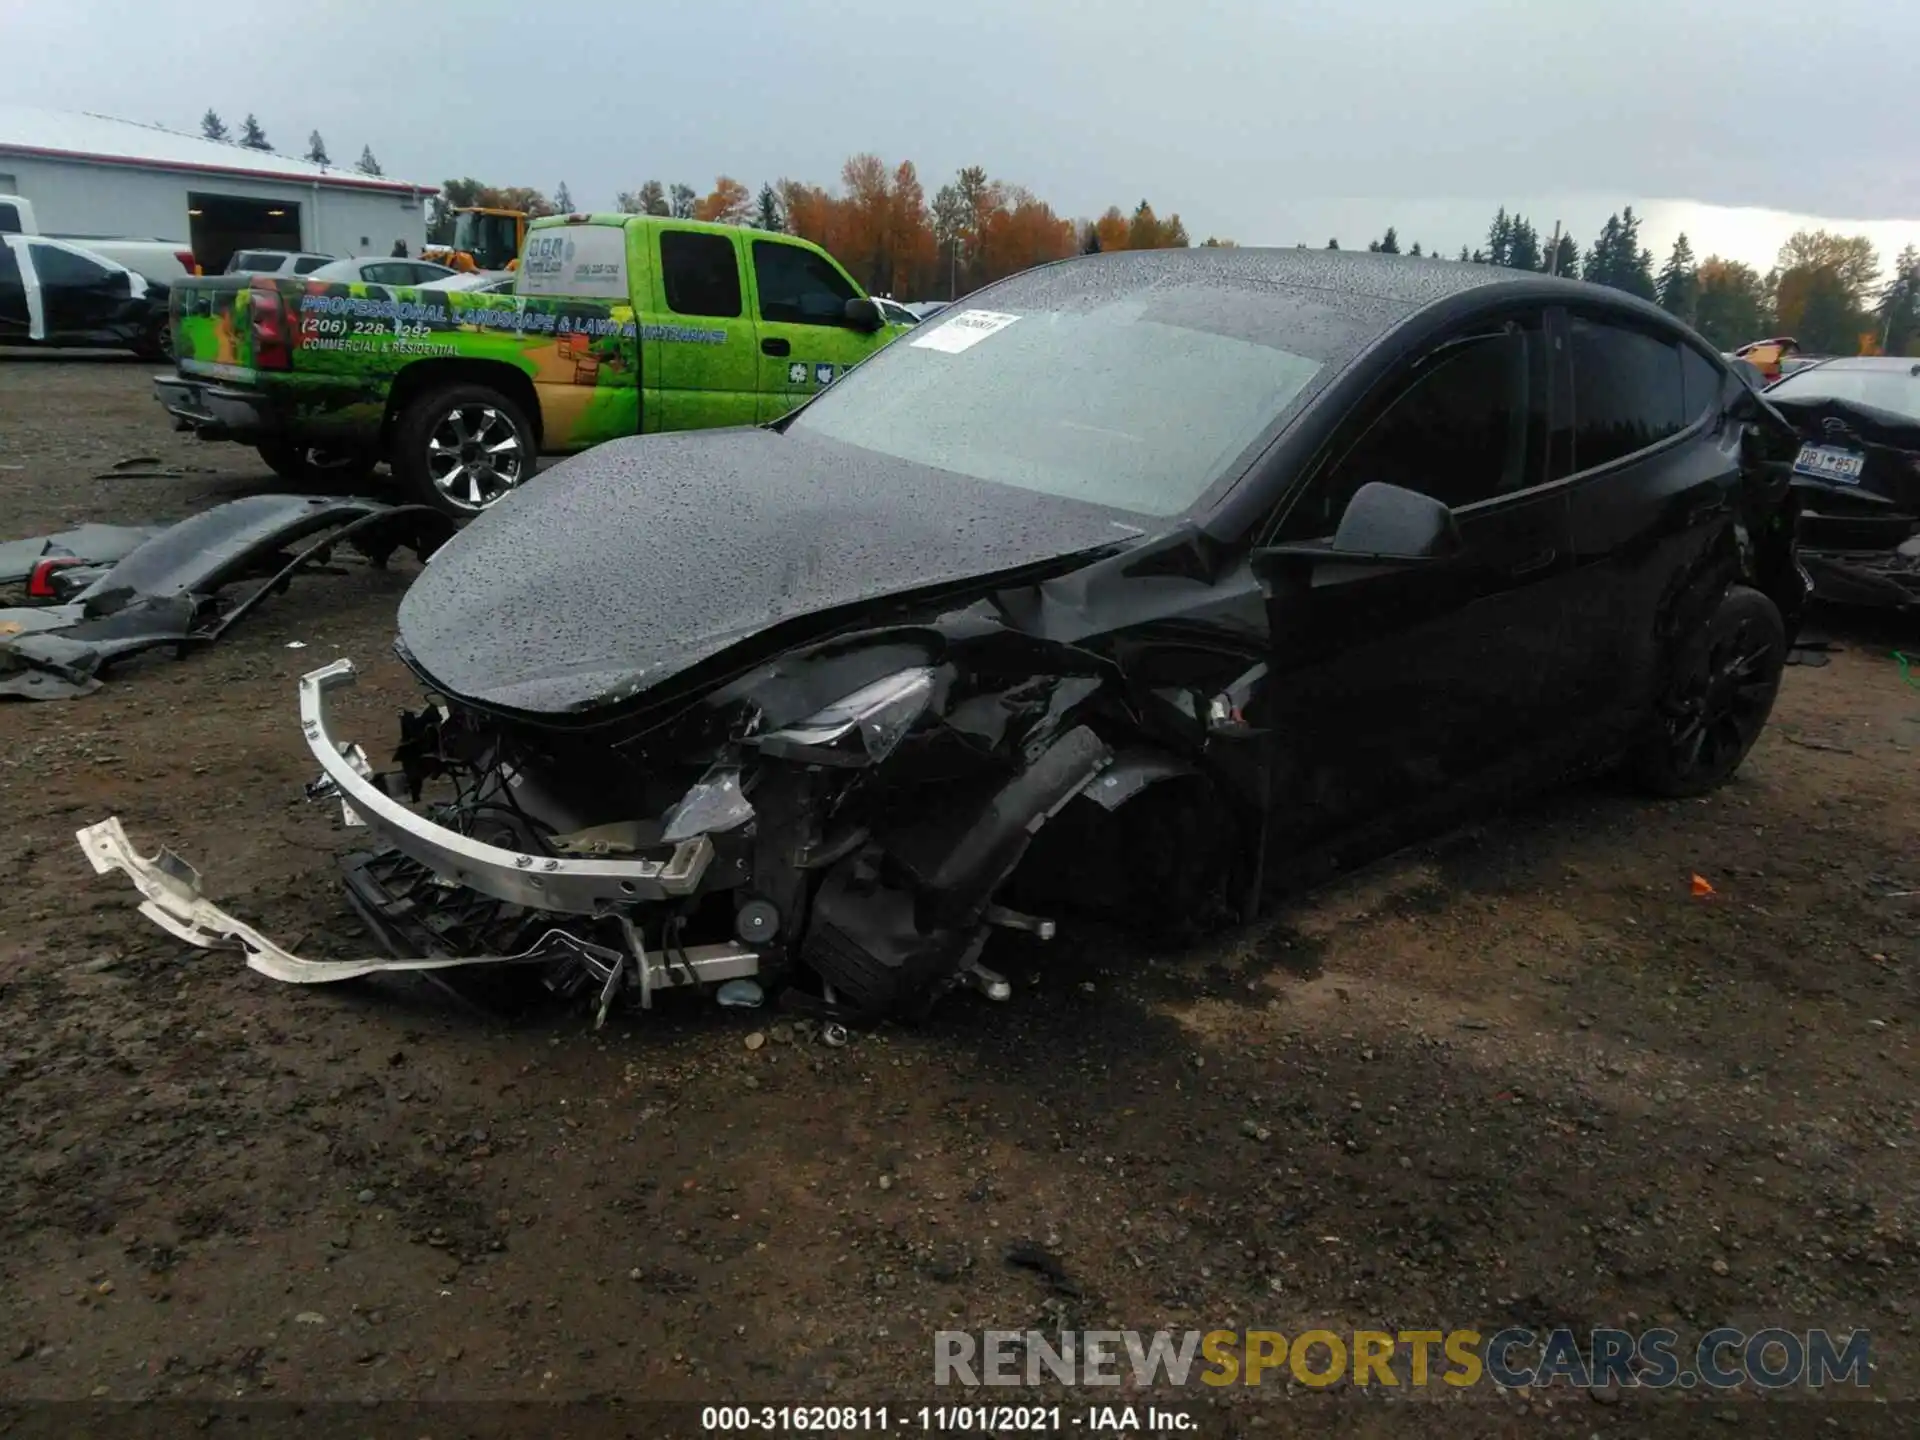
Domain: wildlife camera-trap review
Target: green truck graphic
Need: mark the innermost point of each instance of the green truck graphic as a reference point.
(617, 325)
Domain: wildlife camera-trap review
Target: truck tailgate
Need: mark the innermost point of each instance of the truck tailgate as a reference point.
(211, 335)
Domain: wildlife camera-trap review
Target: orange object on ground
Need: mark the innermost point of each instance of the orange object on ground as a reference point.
(1701, 885)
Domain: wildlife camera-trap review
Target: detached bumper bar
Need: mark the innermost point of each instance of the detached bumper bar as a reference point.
(172, 899)
(539, 882)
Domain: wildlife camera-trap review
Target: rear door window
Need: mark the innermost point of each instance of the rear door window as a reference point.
(1628, 393)
(700, 273)
(799, 287)
(307, 264)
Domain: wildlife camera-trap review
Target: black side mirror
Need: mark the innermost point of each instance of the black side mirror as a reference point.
(863, 315)
(1386, 520)
(1383, 525)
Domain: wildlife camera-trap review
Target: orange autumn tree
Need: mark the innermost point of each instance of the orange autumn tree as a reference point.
(729, 204)
(881, 225)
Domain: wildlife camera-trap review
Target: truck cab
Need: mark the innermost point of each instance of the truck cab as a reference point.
(618, 325)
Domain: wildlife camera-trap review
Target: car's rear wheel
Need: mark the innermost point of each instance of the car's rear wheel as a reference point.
(316, 465)
(1717, 698)
(461, 449)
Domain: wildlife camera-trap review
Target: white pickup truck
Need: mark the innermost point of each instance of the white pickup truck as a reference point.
(162, 261)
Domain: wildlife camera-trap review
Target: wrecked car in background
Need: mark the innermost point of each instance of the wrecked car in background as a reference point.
(1858, 472)
(1142, 581)
(170, 587)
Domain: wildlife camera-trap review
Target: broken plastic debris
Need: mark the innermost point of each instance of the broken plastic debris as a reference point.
(1701, 886)
(296, 644)
(745, 994)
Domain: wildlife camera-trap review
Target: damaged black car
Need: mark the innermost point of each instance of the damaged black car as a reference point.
(1144, 582)
(1858, 476)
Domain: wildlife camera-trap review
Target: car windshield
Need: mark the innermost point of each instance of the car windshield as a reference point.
(1139, 403)
(1894, 388)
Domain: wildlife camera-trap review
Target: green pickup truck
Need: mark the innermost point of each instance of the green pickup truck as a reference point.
(618, 325)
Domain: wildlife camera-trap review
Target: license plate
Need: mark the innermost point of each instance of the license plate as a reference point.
(1829, 462)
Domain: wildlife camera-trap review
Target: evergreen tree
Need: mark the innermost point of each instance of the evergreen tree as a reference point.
(367, 165)
(767, 214)
(1416, 251)
(1499, 238)
(1090, 239)
(1464, 256)
(1563, 259)
(1899, 308)
(562, 199)
(212, 126)
(1603, 258)
(1479, 257)
(317, 149)
(1390, 242)
(1679, 284)
(1333, 244)
(251, 135)
(1523, 244)
(1634, 266)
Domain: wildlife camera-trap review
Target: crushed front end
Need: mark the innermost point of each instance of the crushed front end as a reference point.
(850, 812)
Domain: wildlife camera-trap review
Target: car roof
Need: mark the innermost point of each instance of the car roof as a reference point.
(1341, 300)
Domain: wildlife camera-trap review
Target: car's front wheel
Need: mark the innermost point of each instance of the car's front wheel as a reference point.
(1716, 699)
(462, 448)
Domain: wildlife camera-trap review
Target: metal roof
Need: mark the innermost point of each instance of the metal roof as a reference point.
(101, 139)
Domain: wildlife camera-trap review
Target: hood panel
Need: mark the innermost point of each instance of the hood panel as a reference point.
(641, 557)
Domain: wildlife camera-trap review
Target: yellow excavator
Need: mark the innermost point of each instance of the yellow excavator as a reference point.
(484, 238)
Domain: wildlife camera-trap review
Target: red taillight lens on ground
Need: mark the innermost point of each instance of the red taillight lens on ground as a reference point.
(40, 579)
(272, 341)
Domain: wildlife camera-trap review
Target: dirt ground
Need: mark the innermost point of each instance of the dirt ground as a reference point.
(1521, 1076)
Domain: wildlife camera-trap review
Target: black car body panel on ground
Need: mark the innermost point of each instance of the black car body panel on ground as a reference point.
(1858, 473)
(1138, 582)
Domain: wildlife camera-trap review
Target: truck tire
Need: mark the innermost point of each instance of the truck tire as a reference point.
(1716, 698)
(316, 466)
(461, 448)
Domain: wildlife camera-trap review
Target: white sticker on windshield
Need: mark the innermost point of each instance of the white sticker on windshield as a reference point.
(963, 331)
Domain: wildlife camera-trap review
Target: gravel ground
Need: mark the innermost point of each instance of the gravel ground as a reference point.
(1520, 1076)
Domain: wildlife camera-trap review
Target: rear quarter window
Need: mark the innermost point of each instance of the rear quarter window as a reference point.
(582, 260)
(9, 219)
(307, 264)
(1627, 391)
(1700, 382)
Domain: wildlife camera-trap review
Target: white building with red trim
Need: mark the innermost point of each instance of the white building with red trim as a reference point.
(89, 175)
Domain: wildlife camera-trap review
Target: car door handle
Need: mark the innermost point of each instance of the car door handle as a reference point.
(773, 345)
(1534, 563)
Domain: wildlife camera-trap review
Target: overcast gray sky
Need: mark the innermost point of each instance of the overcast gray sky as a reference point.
(1269, 121)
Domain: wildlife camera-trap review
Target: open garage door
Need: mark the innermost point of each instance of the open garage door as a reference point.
(222, 224)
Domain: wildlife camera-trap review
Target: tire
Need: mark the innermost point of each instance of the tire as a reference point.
(311, 466)
(156, 345)
(448, 449)
(1716, 699)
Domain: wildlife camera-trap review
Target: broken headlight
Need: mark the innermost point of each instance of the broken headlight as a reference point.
(713, 805)
(858, 729)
